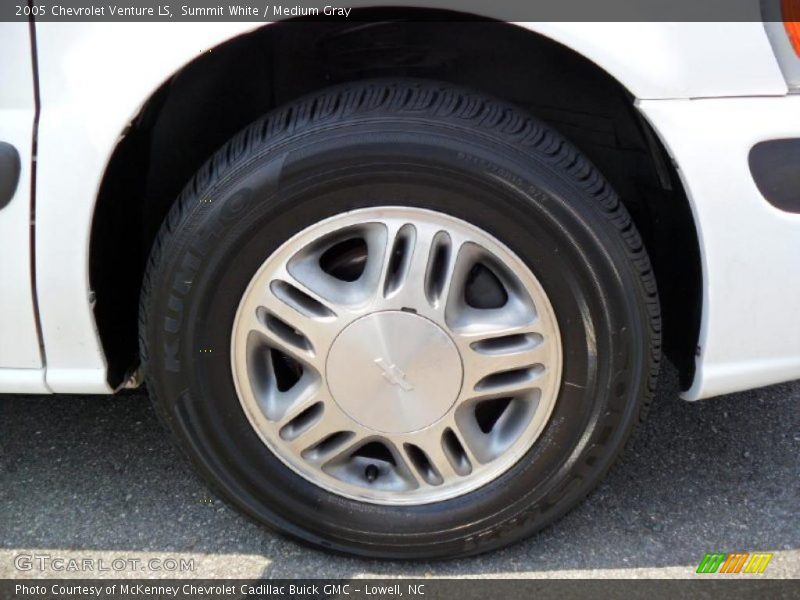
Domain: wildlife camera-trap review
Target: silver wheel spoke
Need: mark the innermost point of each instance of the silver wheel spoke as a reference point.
(418, 268)
(460, 446)
(427, 461)
(304, 411)
(286, 338)
(396, 356)
(336, 429)
(506, 363)
(297, 322)
(440, 455)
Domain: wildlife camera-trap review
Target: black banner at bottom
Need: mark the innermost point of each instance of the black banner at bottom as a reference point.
(385, 589)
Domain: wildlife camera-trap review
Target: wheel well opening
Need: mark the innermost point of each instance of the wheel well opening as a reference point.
(209, 100)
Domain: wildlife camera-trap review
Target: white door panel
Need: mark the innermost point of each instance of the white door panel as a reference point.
(94, 78)
(19, 342)
(750, 332)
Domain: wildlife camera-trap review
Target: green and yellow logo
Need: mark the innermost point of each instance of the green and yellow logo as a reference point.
(736, 562)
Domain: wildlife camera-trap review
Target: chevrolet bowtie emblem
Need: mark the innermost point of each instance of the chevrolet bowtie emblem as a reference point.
(394, 375)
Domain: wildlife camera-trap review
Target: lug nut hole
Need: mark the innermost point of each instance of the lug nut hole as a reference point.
(371, 473)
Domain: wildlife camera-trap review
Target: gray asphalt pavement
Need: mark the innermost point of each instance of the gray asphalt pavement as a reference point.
(97, 478)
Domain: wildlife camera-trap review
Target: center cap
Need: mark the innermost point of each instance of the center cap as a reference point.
(394, 371)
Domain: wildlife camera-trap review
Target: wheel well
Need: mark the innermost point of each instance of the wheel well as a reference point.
(205, 103)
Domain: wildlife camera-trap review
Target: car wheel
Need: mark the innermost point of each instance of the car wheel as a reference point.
(400, 319)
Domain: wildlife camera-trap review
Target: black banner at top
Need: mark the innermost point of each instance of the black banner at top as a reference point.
(260, 11)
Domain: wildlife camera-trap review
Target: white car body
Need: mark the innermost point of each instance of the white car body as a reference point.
(710, 91)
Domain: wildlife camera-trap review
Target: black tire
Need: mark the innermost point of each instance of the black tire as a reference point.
(419, 144)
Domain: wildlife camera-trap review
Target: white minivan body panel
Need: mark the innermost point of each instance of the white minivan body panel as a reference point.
(20, 356)
(750, 330)
(94, 78)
